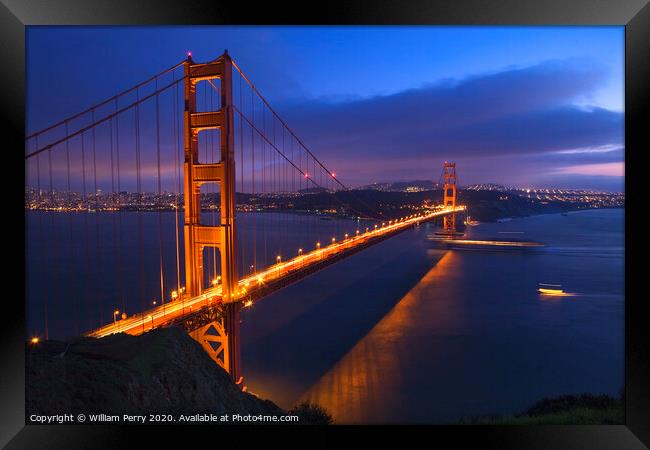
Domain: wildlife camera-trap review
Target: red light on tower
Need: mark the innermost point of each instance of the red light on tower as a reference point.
(333, 174)
(306, 175)
(189, 54)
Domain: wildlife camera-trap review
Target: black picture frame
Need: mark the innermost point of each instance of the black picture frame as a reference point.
(15, 15)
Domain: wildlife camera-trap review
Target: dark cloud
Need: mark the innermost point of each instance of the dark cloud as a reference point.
(536, 131)
(518, 112)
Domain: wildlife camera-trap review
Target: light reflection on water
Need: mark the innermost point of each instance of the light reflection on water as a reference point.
(468, 334)
(352, 389)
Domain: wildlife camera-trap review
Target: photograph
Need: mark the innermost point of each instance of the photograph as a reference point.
(325, 225)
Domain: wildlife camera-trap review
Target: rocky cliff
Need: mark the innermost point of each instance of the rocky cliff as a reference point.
(162, 371)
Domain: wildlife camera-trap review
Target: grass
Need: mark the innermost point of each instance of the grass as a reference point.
(577, 416)
(585, 409)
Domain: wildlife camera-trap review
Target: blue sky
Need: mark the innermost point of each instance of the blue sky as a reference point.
(540, 106)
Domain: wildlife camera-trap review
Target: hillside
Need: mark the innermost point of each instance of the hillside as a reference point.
(162, 371)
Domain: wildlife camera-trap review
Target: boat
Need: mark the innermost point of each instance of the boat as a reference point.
(550, 289)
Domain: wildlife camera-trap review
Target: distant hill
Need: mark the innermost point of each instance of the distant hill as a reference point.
(483, 205)
(403, 186)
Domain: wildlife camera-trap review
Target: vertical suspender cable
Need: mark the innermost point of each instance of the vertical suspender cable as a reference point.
(136, 113)
(178, 186)
(97, 253)
(119, 213)
(160, 239)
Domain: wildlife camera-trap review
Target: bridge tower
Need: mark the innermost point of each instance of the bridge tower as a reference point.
(223, 334)
(449, 195)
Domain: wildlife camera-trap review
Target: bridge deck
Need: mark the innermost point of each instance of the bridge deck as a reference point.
(263, 283)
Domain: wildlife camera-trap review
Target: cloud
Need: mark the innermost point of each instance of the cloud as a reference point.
(612, 169)
(518, 112)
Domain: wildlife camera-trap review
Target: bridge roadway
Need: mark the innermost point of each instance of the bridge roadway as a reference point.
(271, 279)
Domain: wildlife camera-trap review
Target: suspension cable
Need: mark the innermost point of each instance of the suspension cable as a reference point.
(102, 120)
(104, 102)
(250, 83)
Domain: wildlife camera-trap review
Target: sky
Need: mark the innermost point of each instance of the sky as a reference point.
(520, 106)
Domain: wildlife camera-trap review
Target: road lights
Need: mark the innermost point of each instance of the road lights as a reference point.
(115, 313)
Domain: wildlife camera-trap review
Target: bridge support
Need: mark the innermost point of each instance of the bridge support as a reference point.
(449, 196)
(222, 237)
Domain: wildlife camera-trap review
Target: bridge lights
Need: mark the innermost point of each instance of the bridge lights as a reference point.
(299, 251)
(35, 340)
(318, 245)
(150, 317)
(248, 303)
(115, 313)
(153, 303)
(333, 240)
(252, 268)
(278, 259)
(357, 233)
(174, 295)
(346, 235)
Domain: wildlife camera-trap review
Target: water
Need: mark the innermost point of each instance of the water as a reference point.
(406, 333)
(402, 332)
(83, 266)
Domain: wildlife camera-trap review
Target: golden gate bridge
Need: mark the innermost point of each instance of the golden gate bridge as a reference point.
(200, 140)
